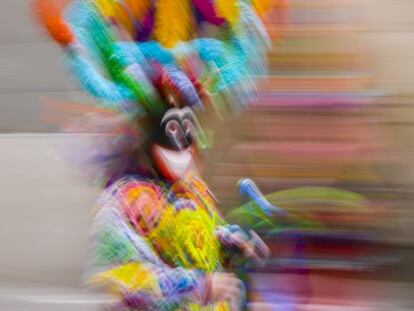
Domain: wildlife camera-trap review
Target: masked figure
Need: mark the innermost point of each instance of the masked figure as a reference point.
(159, 241)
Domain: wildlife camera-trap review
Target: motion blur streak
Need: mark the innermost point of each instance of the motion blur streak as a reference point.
(334, 112)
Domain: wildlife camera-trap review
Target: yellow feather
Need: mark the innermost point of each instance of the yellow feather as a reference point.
(173, 22)
(228, 9)
(106, 7)
(262, 6)
(115, 10)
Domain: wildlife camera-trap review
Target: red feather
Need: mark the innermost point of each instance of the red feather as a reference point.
(48, 14)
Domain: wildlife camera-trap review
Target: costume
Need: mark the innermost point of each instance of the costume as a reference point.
(158, 233)
(180, 234)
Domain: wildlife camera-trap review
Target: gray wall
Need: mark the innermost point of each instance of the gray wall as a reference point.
(45, 212)
(31, 71)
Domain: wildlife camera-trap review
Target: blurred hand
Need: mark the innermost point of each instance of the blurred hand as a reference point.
(254, 248)
(226, 287)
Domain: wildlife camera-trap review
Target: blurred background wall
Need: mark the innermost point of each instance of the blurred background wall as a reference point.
(336, 111)
(45, 208)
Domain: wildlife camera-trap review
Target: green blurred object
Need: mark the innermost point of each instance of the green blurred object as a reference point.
(297, 202)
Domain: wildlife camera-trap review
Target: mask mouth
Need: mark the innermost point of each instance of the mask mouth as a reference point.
(172, 164)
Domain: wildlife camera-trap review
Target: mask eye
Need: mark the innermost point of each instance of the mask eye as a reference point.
(171, 128)
(175, 133)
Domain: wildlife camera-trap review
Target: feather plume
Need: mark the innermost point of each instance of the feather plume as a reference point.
(139, 8)
(173, 22)
(228, 9)
(262, 6)
(48, 14)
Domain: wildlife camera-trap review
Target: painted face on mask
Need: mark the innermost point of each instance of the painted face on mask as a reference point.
(174, 150)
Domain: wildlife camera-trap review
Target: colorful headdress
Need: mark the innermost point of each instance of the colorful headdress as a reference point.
(116, 47)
